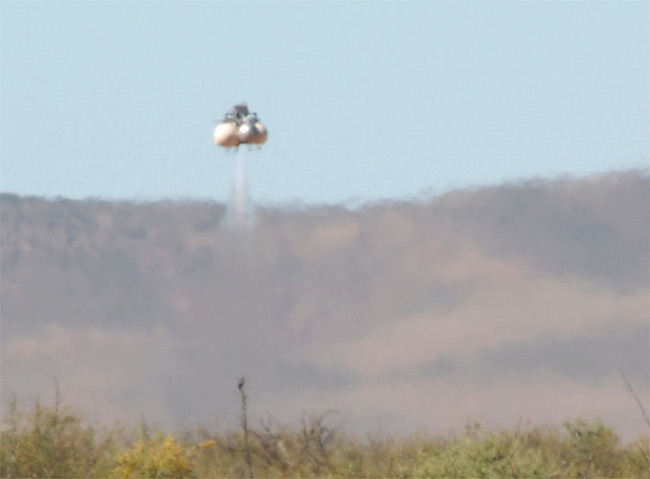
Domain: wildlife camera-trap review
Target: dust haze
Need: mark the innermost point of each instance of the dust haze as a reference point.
(522, 300)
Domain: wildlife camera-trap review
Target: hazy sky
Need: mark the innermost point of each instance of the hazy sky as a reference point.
(363, 100)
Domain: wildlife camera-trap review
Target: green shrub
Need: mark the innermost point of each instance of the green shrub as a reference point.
(54, 442)
(593, 450)
(481, 454)
(51, 442)
(586, 450)
(155, 458)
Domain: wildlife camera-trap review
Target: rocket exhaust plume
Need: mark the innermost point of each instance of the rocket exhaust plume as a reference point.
(240, 211)
(239, 238)
(240, 190)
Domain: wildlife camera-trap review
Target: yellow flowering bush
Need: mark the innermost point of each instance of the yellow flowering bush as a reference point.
(153, 459)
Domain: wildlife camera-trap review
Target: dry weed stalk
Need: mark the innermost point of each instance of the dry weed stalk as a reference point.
(244, 423)
(643, 411)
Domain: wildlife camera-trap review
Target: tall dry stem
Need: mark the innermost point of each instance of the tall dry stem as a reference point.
(636, 397)
(643, 411)
(244, 423)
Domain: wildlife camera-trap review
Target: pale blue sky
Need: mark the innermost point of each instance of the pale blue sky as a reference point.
(365, 100)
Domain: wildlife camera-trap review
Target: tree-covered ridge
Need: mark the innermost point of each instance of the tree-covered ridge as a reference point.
(523, 299)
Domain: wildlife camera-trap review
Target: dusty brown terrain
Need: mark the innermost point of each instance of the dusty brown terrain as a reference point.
(521, 299)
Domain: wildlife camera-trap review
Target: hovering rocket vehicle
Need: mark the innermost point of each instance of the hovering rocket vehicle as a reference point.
(240, 127)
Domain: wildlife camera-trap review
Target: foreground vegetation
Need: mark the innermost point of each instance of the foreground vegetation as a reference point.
(55, 441)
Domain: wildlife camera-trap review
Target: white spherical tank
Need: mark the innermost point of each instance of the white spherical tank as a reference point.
(225, 134)
(245, 133)
(261, 134)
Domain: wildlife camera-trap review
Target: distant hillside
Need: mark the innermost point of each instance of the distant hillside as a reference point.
(160, 305)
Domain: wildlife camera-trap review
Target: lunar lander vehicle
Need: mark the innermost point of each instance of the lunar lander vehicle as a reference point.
(240, 127)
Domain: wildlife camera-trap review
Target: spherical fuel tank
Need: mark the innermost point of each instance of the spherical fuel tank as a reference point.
(245, 133)
(261, 134)
(225, 134)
